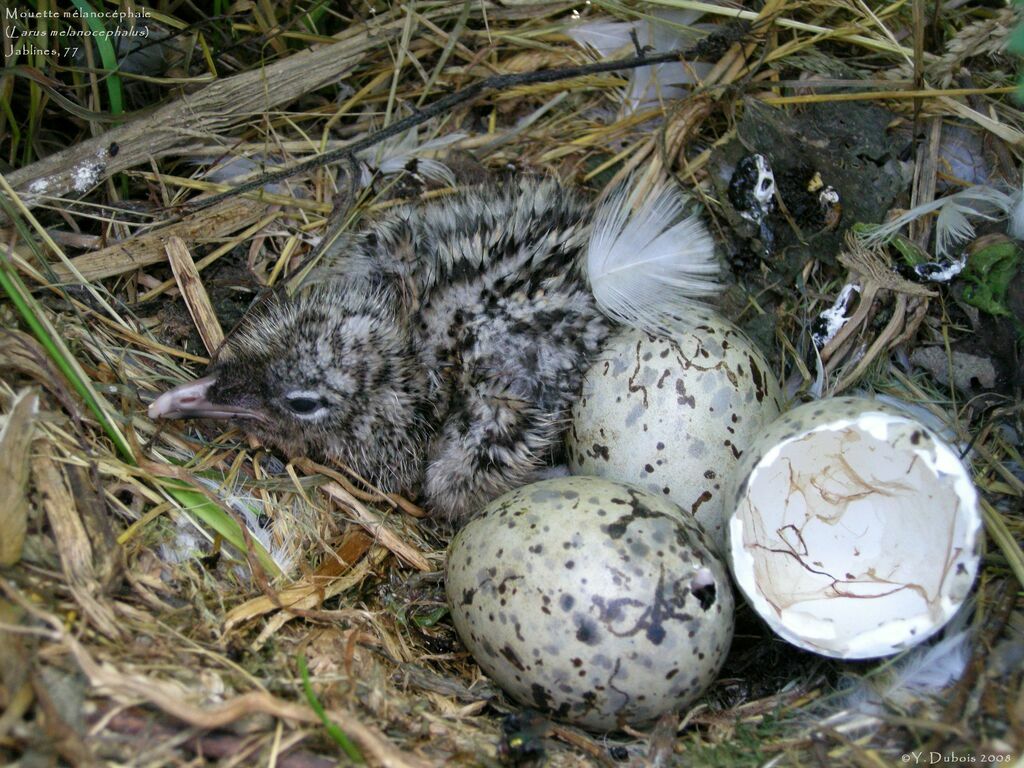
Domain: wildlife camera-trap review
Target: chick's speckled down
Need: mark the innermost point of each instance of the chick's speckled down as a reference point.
(436, 353)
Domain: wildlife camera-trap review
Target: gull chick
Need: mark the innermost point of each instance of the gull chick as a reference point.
(437, 351)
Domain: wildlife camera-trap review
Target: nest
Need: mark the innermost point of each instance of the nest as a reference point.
(179, 595)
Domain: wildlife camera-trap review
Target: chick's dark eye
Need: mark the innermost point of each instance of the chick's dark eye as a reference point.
(304, 405)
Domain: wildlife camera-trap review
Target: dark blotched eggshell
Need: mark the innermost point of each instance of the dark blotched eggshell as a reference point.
(593, 601)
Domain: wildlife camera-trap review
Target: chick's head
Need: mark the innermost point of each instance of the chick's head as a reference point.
(309, 373)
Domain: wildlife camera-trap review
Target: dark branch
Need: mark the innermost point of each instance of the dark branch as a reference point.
(469, 93)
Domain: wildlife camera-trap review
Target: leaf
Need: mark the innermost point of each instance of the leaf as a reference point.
(430, 618)
(910, 251)
(989, 272)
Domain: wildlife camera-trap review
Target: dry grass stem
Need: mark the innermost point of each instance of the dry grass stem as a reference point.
(159, 582)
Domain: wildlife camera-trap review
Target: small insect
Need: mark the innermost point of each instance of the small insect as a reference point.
(522, 737)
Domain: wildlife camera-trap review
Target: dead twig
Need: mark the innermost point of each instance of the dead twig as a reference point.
(445, 104)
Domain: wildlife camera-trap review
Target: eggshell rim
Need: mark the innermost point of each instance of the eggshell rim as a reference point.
(890, 637)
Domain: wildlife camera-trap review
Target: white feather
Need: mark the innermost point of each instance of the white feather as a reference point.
(1016, 224)
(645, 269)
(236, 168)
(953, 225)
(913, 682)
(663, 30)
(929, 672)
(250, 507)
(667, 29)
(393, 155)
(603, 36)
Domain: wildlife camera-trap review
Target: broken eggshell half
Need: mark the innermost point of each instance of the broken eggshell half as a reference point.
(855, 529)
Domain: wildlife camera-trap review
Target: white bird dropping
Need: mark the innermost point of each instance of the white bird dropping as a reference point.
(855, 530)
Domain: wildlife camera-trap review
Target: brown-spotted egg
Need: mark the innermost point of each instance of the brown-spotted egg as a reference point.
(674, 415)
(590, 600)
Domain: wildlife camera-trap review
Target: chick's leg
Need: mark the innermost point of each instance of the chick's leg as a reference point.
(492, 442)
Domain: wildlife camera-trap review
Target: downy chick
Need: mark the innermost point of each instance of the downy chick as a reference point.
(438, 351)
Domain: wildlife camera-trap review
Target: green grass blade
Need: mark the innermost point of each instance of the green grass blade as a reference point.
(311, 18)
(23, 302)
(188, 498)
(196, 503)
(333, 730)
(107, 54)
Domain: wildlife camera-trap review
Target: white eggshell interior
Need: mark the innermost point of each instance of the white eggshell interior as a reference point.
(856, 537)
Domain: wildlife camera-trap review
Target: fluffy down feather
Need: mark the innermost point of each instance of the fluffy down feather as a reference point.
(646, 268)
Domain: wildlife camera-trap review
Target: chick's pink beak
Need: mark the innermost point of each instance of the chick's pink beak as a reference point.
(190, 401)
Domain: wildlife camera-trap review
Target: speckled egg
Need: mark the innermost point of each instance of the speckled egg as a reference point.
(674, 415)
(591, 600)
